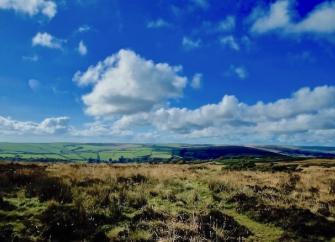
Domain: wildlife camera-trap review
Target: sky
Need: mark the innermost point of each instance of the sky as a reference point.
(178, 71)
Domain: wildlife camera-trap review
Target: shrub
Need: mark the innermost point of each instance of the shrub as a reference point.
(290, 185)
(147, 214)
(65, 223)
(115, 208)
(219, 186)
(210, 223)
(137, 200)
(332, 186)
(118, 234)
(240, 165)
(138, 178)
(49, 188)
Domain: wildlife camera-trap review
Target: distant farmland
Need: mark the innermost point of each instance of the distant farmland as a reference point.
(80, 152)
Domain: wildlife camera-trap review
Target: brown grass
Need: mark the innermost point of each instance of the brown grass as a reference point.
(168, 202)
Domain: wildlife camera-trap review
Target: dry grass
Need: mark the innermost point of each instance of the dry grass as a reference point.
(170, 202)
(313, 185)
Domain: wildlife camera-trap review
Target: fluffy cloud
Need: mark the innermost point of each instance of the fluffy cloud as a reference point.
(82, 49)
(46, 40)
(277, 17)
(306, 117)
(31, 7)
(49, 126)
(321, 20)
(126, 83)
(56, 125)
(130, 97)
(303, 116)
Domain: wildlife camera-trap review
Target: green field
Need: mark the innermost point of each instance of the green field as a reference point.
(122, 152)
(80, 152)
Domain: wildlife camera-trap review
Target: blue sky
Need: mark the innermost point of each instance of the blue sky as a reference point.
(193, 71)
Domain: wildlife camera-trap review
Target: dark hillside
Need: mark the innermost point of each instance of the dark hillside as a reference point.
(214, 152)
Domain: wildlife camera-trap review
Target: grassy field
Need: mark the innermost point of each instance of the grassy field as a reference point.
(168, 202)
(93, 153)
(80, 152)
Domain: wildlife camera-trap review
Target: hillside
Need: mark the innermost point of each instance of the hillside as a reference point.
(118, 152)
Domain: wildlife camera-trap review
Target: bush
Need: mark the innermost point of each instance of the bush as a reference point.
(46, 188)
(290, 185)
(219, 186)
(147, 214)
(240, 165)
(65, 223)
(210, 223)
(137, 200)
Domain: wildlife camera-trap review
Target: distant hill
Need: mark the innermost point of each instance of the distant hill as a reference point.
(120, 152)
(214, 152)
(302, 151)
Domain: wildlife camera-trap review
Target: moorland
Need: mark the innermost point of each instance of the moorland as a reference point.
(232, 199)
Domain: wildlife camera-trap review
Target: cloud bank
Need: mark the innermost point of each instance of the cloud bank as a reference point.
(49, 126)
(130, 97)
(307, 116)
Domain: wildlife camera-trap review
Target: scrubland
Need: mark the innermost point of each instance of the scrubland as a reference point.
(167, 202)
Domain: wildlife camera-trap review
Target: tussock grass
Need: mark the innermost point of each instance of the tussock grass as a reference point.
(166, 202)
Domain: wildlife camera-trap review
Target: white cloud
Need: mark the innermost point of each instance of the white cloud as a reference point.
(158, 23)
(277, 17)
(82, 49)
(47, 40)
(230, 42)
(58, 125)
(238, 71)
(31, 7)
(33, 84)
(303, 116)
(126, 83)
(49, 126)
(196, 81)
(190, 44)
(320, 20)
(228, 24)
(306, 117)
(83, 29)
